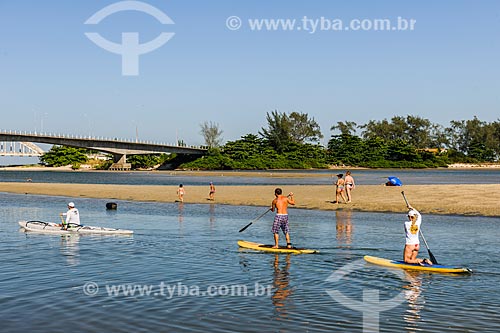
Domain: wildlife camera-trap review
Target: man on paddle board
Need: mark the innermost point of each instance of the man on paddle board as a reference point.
(412, 227)
(280, 203)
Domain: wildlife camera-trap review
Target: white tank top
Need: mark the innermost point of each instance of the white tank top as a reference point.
(412, 230)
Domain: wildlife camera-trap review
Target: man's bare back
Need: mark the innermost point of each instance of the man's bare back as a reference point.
(281, 203)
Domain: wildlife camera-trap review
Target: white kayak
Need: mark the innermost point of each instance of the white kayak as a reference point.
(54, 228)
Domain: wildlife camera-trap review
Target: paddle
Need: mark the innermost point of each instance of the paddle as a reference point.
(431, 256)
(63, 222)
(249, 224)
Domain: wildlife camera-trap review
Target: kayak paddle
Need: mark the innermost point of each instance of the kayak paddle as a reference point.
(431, 256)
(249, 224)
(64, 226)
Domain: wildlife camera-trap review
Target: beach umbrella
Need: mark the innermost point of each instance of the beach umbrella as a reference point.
(394, 181)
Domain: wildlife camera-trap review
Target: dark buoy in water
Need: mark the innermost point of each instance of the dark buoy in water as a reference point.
(111, 205)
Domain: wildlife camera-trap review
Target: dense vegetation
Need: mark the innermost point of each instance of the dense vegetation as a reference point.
(62, 155)
(291, 141)
(402, 142)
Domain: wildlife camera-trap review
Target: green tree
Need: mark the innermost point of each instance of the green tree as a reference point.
(64, 155)
(475, 138)
(284, 129)
(249, 146)
(346, 149)
(420, 132)
(278, 132)
(146, 160)
(345, 127)
(304, 129)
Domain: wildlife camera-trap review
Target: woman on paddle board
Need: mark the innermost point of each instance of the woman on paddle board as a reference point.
(280, 203)
(412, 227)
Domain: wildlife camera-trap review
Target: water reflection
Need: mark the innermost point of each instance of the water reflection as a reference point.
(211, 214)
(70, 248)
(181, 211)
(344, 226)
(412, 292)
(281, 287)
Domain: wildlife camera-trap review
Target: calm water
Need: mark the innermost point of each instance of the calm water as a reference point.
(365, 177)
(189, 249)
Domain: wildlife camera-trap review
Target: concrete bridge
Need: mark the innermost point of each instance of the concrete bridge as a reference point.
(119, 148)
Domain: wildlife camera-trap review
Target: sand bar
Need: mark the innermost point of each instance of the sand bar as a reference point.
(476, 200)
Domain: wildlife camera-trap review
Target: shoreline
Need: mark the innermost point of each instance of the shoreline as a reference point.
(88, 168)
(467, 200)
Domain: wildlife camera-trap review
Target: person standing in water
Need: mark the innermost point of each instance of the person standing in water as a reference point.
(349, 185)
(211, 193)
(412, 244)
(280, 203)
(180, 193)
(339, 189)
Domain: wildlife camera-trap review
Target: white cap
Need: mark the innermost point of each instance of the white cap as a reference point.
(412, 213)
(71, 204)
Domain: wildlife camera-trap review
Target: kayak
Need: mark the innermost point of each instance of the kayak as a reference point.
(54, 228)
(269, 248)
(425, 267)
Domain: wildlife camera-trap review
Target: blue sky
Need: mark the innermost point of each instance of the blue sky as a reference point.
(52, 77)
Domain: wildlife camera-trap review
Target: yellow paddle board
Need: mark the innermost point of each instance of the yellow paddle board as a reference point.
(428, 268)
(269, 248)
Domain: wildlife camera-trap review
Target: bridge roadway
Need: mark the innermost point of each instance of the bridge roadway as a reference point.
(118, 148)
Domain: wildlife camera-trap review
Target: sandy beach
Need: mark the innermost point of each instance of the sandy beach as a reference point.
(474, 200)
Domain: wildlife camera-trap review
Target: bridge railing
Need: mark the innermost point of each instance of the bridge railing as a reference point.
(95, 138)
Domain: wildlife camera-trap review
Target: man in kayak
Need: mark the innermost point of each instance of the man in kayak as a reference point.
(72, 216)
(280, 203)
(412, 227)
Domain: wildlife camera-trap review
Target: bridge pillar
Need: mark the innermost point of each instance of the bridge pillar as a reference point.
(120, 163)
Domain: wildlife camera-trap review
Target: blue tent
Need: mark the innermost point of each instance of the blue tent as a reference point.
(394, 181)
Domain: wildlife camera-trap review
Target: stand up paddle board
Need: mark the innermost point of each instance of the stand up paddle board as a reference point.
(269, 248)
(425, 267)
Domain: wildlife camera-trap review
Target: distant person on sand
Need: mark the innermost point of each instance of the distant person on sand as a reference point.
(280, 203)
(412, 245)
(180, 193)
(349, 185)
(211, 193)
(339, 189)
(72, 216)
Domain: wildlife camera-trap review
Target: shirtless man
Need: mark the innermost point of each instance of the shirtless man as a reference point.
(280, 203)
(412, 227)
